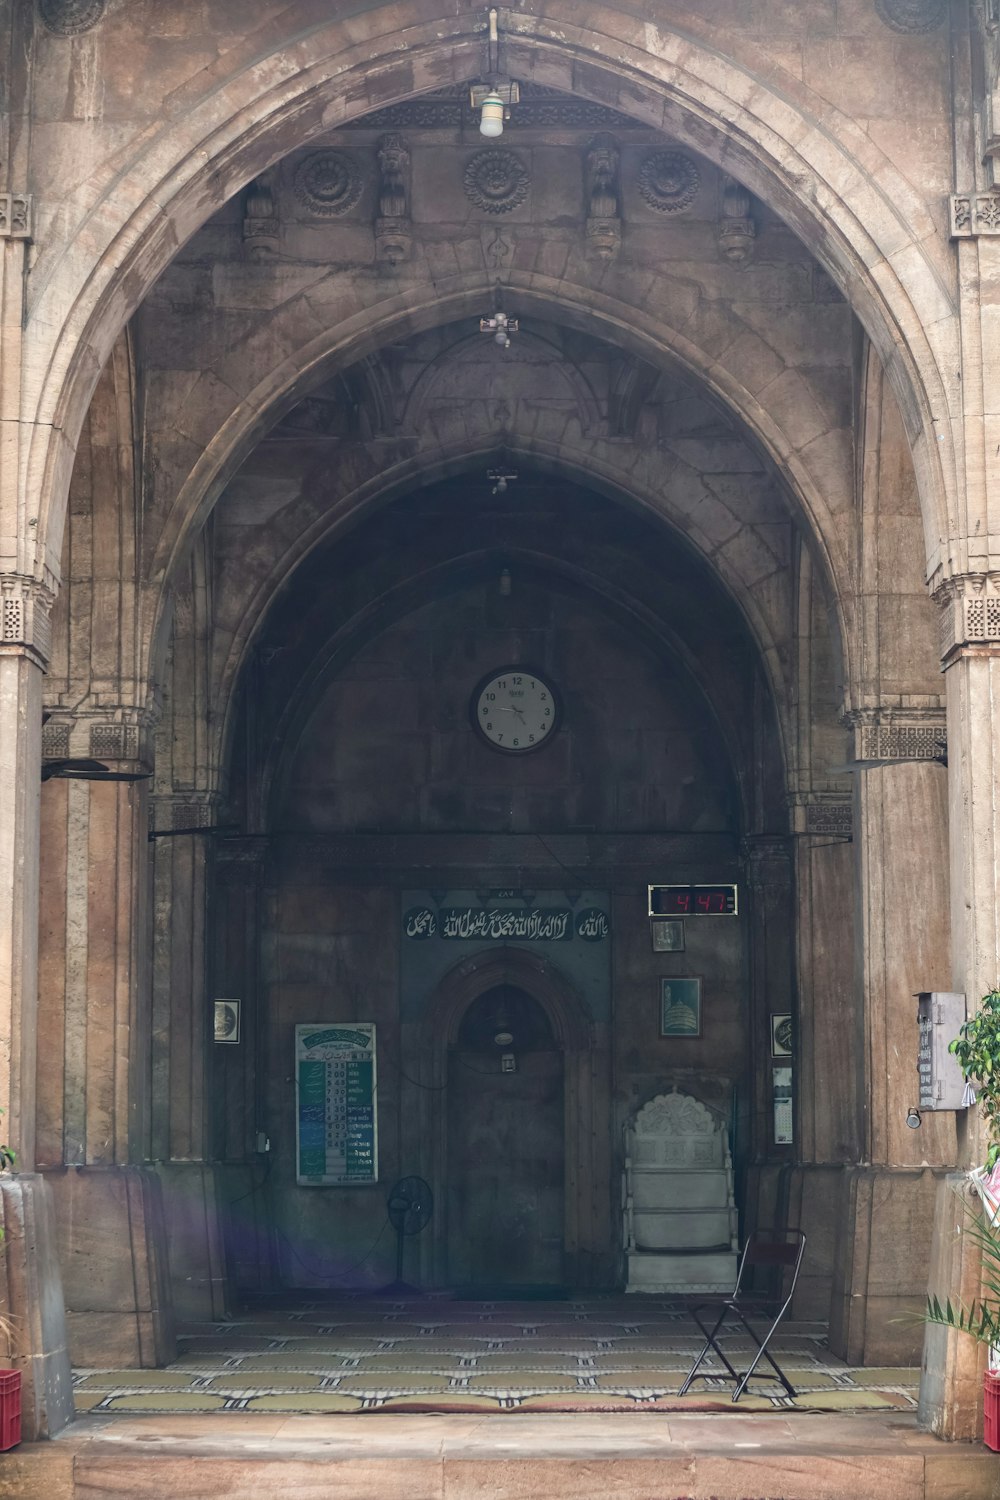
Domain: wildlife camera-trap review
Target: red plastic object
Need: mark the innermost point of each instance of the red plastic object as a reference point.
(991, 1410)
(10, 1408)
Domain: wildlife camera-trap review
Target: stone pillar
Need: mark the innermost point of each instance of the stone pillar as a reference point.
(182, 1033)
(768, 864)
(883, 1235)
(30, 1291)
(93, 1061)
(950, 1394)
(239, 1072)
(827, 1123)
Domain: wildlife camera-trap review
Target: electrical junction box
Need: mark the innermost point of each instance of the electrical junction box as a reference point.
(940, 1015)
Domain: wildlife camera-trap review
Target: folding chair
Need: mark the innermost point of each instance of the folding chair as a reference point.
(780, 1252)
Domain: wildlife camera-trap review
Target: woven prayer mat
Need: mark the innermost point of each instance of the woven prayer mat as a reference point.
(599, 1354)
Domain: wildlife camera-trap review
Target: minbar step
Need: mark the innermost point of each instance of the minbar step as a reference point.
(566, 1456)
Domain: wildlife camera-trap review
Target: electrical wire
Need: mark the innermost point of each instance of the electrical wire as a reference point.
(343, 1270)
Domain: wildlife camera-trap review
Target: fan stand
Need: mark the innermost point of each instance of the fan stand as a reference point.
(410, 1205)
(399, 1287)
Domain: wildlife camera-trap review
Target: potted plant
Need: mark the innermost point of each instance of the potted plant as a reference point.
(977, 1049)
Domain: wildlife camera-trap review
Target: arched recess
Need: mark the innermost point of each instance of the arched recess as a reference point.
(587, 468)
(762, 789)
(636, 329)
(812, 165)
(585, 1044)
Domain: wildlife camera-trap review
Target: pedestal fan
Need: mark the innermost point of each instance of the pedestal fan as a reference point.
(409, 1205)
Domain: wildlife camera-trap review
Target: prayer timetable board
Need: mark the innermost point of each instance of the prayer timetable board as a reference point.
(335, 1098)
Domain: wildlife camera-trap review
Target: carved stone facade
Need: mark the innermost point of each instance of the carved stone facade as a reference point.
(71, 17)
(25, 617)
(15, 216)
(912, 17)
(328, 183)
(393, 230)
(974, 214)
(970, 612)
(737, 230)
(496, 181)
(604, 231)
(668, 181)
(247, 416)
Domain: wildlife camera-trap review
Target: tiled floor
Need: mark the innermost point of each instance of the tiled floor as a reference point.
(430, 1354)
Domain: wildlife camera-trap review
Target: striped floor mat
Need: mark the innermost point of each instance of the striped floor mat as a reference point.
(429, 1354)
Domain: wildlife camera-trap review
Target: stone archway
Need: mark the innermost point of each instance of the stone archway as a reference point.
(246, 110)
(589, 1231)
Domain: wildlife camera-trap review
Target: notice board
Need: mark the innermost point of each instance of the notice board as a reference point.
(335, 1082)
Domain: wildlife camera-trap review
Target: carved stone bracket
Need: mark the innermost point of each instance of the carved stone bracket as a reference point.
(241, 862)
(899, 733)
(737, 230)
(393, 230)
(184, 809)
(974, 214)
(831, 818)
(15, 216)
(261, 225)
(25, 626)
(604, 227)
(970, 605)
(768, 862)
(108, 734)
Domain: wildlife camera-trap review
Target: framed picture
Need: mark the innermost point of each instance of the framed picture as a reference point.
(227, 1021)
(781, 1035)
(680, 1007)
(668, 935)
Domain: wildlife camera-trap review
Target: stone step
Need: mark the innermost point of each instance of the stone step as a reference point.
(599, 1456)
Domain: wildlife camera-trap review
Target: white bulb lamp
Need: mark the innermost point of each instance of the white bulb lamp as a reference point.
(491, 120)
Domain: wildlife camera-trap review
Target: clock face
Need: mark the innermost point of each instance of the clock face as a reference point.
(515, 710)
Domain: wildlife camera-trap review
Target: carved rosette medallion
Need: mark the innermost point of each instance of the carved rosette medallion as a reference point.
(328, 183)
(911, 16)
(70, 17)
(668, 181)
(496, 181)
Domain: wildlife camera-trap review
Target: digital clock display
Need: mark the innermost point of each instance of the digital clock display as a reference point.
(692, 901)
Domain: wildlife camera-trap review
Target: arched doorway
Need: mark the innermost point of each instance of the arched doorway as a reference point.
(565, 1074)
(506, 1146)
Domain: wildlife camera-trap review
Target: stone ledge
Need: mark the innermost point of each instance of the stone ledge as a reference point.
(503, 1458)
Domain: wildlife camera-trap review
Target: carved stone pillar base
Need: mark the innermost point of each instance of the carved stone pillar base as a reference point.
(32, 1298)
(112, 1238)
(951, 1381)
(869, 1233)
(196, 1264)
(881, 1256)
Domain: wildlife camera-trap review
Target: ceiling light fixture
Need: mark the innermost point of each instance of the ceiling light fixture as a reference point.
(501, 328)
(494, 97)
(500, 478)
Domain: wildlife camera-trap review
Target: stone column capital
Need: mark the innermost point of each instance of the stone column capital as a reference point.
(970, 614)
(191, 808)
(898, 731)
(25, 625)
(106, 732)
(768, 860)
(241, 861)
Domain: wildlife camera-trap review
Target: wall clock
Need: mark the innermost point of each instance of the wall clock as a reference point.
(515, 710)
